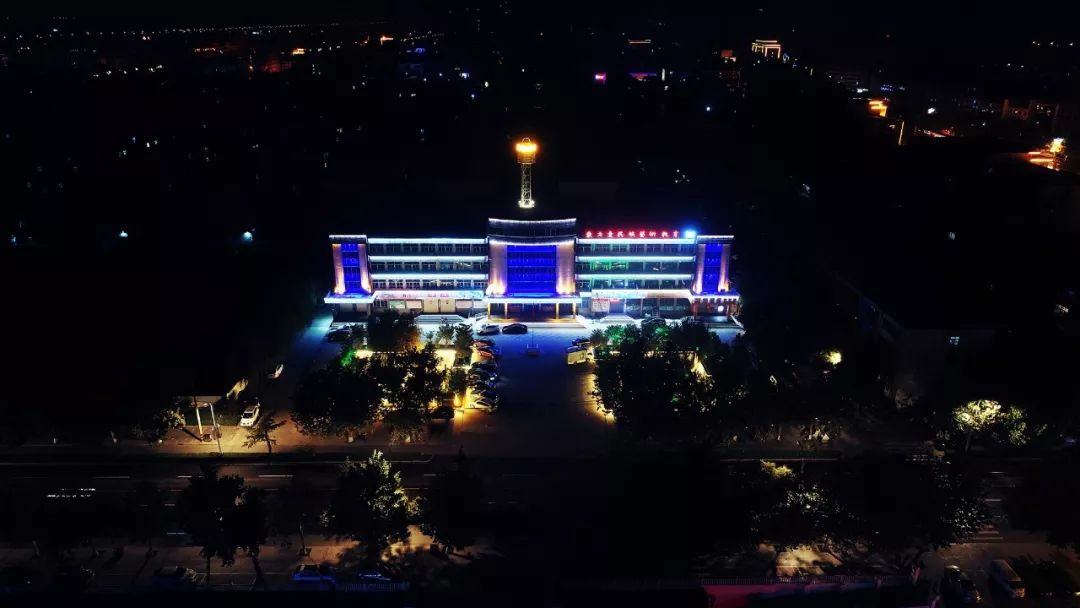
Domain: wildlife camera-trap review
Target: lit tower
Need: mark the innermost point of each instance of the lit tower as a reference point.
(526, 156)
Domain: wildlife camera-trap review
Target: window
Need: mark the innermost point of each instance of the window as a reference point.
(378, 267)
(394, 248)
(637, 247)
(954, 340)
(429, 266)
(412, 266)
(427, 248)
(412, 284)
(430, 284)
(410, 248)
(445, 248)
(376, 249)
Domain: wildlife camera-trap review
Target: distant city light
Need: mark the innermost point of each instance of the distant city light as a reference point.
(931, 110)
(708, 108)
(689, 234)
(384, 38)
(465, 75)
(248, 236)
(485, 84)
(123, 234)
(600, 77)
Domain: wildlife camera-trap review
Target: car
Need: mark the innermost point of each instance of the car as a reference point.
(515, 328)
(173, 576)
(18, 577)
(372, 576)
(486, 374)
(250, 415)
(481, 385)
(443, 412)
(486, 354)
(483, 404)
(1034, 582)
(1007, 579)
(958, 588)
(340, 334)
(653, 322)
(72, 577)
(581, 342)
(311, 573)
(483, 342)
(485, 348)
(488, 330)
(488, 366)
(274, 375)
(1061, 582)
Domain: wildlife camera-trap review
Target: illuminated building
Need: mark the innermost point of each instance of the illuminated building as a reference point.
(768, 48)
(537, 269)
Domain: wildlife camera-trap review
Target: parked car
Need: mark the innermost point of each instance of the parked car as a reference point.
(173, 576)
(488, 330)
(339, 334)
(18, 577)
(1034, 583)
(274, 375)
(372, 576)
(1007, 578)
(577, 354)
(311, 573)
(443, 412)
(958, 588)
(489, 394)
(581, 342)
(250, 415)
(1061, 582)
(72, 577)
(483, 404)
(487, 366)
(483, 373)
(515, 328)
(483, 342)
(653, 322)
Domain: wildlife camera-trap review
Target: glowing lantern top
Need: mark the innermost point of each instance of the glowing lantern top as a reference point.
(526, 151)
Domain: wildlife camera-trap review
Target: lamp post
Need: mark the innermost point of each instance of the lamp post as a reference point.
(217, 430)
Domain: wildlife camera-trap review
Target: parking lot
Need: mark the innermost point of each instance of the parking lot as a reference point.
(544, 404)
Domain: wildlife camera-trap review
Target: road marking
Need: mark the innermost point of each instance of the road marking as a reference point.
(430, 474)
(112, 476)
(184, 476)
(991, 500)
(275, 476)
(34, 477)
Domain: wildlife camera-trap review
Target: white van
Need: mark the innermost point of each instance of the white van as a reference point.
(577, 354)
(1003, 574)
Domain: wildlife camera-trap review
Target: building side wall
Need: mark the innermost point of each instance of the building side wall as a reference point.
(497, 276)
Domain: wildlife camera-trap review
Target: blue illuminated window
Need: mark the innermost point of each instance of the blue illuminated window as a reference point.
(530, 269)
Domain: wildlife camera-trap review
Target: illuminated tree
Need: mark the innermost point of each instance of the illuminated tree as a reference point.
(975, 417)
(263, 432)
(338, 400)
(463, 339)
(369, 505)
(457, 382)
(157, 423)
(598, 338)
(391, 332)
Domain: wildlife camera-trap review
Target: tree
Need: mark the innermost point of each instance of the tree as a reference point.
(463, 339)
(337, 400)
(391, 332)
(598, 338)
(250, 527)
(155, 424)
(146, 514)
(452, 508)
(457, 382)
(263, 432)
(411, 381)
(207, 510)
(369, 505)
(444, 334)
(1006, 425)
(899, 507)
(1047, 499)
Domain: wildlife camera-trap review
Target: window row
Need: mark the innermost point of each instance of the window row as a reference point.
(619, 266)
(591, 284)
(428, 266)
(427, 248)
(427, 284)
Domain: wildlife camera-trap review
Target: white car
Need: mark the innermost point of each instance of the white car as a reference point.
(250, 415)
(483, 404)
(173, 576)
(274, 375)
(488, 330)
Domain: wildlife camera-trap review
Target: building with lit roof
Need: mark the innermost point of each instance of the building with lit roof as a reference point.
(536, 269)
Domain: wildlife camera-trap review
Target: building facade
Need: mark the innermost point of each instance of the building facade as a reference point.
(537, 269)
